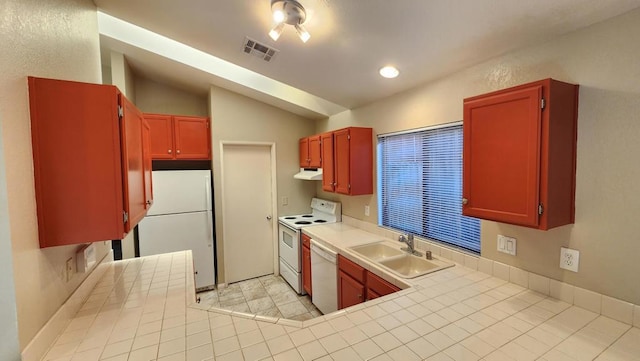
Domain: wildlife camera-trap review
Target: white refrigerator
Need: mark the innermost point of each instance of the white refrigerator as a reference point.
(181, 219)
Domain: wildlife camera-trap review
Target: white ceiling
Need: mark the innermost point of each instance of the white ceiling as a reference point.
(350, 41)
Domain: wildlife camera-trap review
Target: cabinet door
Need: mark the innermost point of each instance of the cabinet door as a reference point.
(76, 161)
(377, 287)
(146, 155)
(161, 146)
(133, 163)
(350, 291)
(192, 138)
(303, 147)
(501, 172)
(341, 157)
(328, 179)
(306, 269)
(315, 156)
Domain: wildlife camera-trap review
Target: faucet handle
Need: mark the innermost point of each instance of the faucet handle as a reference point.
(402, 238)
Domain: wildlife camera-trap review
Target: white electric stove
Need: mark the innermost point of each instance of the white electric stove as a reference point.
(290, 241)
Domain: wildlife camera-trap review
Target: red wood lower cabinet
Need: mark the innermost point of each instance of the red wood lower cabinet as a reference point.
(350, 291)
(377, 287)
(306, 264)
(357, 285)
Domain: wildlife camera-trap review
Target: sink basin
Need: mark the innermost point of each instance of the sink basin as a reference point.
(377, 251)
(399, 262)
(408, 266)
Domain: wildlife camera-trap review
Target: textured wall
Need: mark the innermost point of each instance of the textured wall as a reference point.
(237, 118)
(153, 97)
(603, 59)
(55, 39)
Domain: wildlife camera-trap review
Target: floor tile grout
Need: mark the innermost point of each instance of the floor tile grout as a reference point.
(264, 296)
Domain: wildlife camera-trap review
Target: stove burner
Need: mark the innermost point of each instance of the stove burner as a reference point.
(307, 215)
(320, 221)
(294, 217)
(303, 222)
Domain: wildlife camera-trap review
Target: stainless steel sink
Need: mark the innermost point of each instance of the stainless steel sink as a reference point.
(408, 266)
(398, 261)
(377, 251)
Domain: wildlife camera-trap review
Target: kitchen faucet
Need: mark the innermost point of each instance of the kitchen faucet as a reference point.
(408, 239)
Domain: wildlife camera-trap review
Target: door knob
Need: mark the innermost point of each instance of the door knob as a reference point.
(465, 201)
(169, 151)
(268, 218)
(178, 151)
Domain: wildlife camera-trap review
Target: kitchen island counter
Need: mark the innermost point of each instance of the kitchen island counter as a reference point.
(145, 309)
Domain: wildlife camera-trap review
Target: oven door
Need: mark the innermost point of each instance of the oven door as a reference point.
(289, 246)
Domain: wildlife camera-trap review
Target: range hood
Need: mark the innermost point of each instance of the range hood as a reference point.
(309, 174)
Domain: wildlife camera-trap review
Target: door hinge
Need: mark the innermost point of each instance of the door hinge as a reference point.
(540, 209)
(542, 103)
(125, 217)
(120, 112)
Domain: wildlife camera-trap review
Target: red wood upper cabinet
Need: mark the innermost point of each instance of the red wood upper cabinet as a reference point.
(89, 167)
(162, 146)
(328, 182)
(310, 152)
(179, 137)
(519, 158)
(353, 161)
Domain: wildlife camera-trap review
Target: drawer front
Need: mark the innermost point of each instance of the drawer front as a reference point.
(379, 286)
(352, 269)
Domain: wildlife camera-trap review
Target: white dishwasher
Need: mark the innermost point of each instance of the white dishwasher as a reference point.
(324, 278)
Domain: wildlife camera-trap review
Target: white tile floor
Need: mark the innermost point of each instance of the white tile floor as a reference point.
(266, 296)
(138, 311)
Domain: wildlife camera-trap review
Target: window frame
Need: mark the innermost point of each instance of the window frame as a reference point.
(461, 224)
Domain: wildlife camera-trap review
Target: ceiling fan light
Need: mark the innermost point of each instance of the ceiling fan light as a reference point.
(276, 31)
(278, 16)
(302, 33)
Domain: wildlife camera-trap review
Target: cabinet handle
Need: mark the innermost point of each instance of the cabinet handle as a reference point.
(149, 202)
(178, 151)
(268, 218)
(360, 296)
(169, 151)
(465, 201)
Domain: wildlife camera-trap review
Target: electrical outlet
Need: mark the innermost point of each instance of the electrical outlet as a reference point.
(69, 269)
(569, 259)
(285, 201)
(366, 211)
(507, 245)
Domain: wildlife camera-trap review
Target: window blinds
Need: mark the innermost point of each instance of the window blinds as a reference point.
(420, 186)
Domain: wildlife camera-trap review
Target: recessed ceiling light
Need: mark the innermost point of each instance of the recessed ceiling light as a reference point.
(389, 72)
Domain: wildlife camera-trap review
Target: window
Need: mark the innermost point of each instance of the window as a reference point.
(420, 185)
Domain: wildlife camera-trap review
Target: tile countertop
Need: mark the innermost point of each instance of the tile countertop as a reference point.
(142, 309)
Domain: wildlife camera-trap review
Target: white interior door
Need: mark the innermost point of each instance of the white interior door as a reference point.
(247, 211)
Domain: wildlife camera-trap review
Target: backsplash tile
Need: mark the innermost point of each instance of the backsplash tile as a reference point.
(519, 276)
(562, 291)
(617, 309)
(586, 299)
(501, 270)
(539, 283)
(485, 266)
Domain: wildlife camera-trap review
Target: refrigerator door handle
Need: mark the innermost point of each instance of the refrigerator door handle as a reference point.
(207, 188)
(210, 228)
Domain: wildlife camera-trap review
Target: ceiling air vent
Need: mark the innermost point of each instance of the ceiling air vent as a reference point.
(260, 50)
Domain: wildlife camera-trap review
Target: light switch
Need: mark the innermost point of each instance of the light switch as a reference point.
(507, 245)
